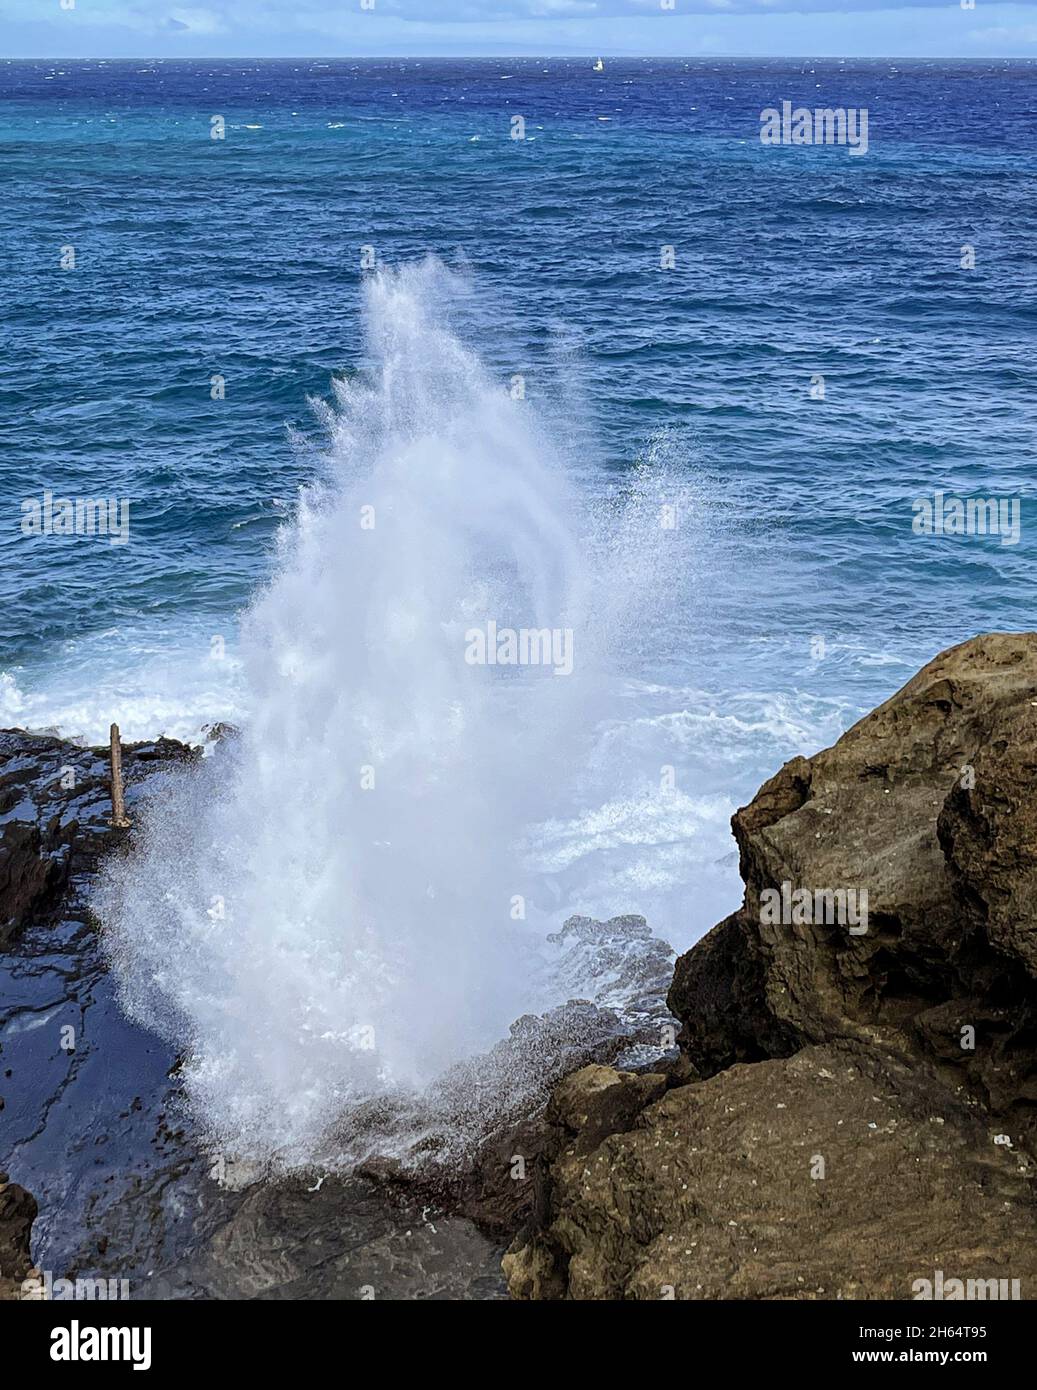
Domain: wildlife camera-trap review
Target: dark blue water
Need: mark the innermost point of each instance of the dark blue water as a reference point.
(810, 597)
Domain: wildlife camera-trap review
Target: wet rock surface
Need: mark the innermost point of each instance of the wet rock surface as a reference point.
(851, 1111)
(55, 806)
(89, 1114)
(90, 1119)
(72, 1070)
(847, 1114)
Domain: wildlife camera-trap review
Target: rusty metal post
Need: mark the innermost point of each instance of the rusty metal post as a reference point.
(119, 817)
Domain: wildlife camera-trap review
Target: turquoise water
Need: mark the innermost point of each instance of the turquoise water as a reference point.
(804, 596)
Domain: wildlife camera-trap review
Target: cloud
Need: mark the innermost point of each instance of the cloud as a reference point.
(546, 9)
(291, 28)
(195, 22)
(1020, 34)
(291, 14)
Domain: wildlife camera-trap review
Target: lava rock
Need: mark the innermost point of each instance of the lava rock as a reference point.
(930, 804)
(17, 1213)
(854, 1111)
(835, 1173)
(55, 806)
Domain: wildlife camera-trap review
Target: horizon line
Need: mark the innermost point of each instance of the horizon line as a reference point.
(539, 57)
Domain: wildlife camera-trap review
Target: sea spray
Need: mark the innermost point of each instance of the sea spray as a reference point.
(336, 906)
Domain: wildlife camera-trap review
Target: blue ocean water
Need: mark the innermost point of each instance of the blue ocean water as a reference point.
(806, 597)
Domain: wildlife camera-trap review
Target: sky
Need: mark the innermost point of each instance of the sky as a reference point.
(344, 28)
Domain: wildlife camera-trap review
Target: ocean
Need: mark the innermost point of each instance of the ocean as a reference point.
(779, 350)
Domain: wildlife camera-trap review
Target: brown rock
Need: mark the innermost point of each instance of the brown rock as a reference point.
(868, 1113)
(17, 1213)
(32, 874)
(598, 1100)
(836, 1173)
(950, 874)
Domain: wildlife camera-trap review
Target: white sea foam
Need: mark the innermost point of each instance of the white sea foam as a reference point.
(150, 680)
(309, 939)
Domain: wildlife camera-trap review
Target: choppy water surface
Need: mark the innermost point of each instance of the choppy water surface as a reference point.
(242, 258)
(558, 430)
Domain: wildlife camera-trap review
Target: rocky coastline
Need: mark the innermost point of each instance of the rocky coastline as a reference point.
(845, 1113)
(850, 1113)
